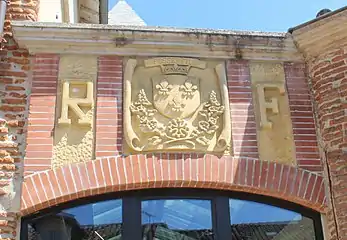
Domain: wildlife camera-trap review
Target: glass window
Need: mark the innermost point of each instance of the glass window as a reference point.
(252, 220)
(185, 219)
(174, 215)
(102, 220)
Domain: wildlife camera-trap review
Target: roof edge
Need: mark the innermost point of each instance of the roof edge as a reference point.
(156, 29)
(103, 39)
(291, 30)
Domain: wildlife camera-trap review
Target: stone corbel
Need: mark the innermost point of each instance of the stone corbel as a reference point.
(264, 105)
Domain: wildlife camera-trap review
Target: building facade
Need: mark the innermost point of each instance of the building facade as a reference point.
(124, 130)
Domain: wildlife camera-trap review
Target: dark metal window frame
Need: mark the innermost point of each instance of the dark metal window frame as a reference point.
(131, 209)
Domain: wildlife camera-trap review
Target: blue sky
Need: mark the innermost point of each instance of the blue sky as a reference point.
(257, 15)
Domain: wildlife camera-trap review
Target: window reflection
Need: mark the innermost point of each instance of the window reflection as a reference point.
(177, 219)
(257, 221)
(173, 219)
(102, 220)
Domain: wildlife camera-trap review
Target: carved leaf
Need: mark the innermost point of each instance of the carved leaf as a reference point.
(154, 140)
(203, 141)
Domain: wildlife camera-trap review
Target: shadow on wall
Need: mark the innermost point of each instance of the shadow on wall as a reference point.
(249, 147)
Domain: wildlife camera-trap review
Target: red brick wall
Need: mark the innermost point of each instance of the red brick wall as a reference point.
(328, 78)
(301, 111)
(253, 176)
(14, 94)
(15, 84)
(244, 129)
(109, 174)
(109, 112)
(178, 170)
(41, 114)
(109, 120)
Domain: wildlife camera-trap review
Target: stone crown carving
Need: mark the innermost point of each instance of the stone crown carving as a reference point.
(176, 104)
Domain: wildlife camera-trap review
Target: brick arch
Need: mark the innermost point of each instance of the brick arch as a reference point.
(112, 174)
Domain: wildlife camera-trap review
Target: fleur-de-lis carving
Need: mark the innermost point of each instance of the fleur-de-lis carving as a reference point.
(188, 89)
(164, 87)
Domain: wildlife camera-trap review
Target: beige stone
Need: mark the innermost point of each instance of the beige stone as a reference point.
(76, 102)
(134, 41)
(271, 103)
(274, 133)
(321, 36)
(176, 104)
(89, 11)
(80, 67)
(74, 131)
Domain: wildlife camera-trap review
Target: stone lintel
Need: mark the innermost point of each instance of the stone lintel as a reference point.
(145, 41)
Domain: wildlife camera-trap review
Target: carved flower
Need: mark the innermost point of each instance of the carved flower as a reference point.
(164, 87)
(142, 108)
(178, 128)
(148, 125)
(216, 111)
(204, 126)
(188, 89)
(212, 109)
(195, 133)
(207, 127)
(143, 114)
(152, 124)
(212, 121)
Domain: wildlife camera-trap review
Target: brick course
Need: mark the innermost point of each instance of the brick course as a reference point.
(173, 170)
(109, 137)
(41, 114)
(60, 185)
(28, 89)
(244, 128)
(15, 83)
(301, 111)
(19, 10)
(328, 79)
(111, 171)
(109, 119)
(14, 94)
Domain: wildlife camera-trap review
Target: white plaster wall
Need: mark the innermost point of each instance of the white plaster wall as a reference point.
(50, 11)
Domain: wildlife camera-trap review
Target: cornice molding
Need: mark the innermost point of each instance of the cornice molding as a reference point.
(321, 36)
(148, 41)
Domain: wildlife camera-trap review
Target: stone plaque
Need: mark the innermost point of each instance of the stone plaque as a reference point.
(176, 104)
(74, 131)
(275, 130)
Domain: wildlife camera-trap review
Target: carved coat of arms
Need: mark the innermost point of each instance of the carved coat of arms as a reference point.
(176, 104)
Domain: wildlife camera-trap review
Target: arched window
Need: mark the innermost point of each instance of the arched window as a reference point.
(174, 214)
